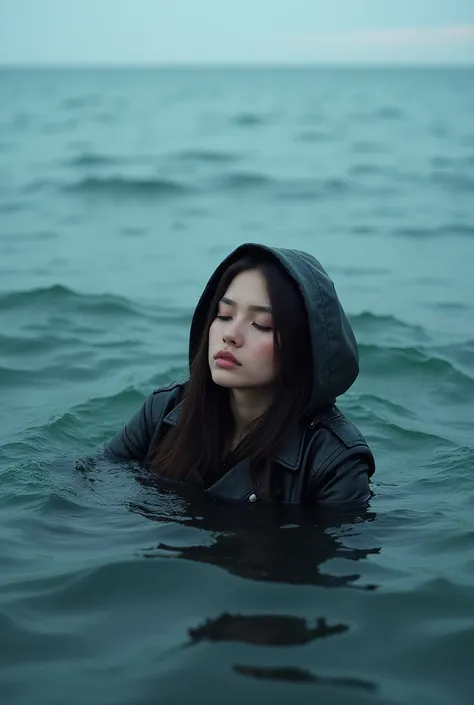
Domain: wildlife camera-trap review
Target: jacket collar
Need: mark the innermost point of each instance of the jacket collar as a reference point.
(289, 450)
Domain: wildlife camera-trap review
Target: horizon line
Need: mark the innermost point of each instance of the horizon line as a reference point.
(234, 64)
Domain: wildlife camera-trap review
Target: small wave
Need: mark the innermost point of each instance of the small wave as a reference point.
(457, 182)
(38, 185)
(311, 189)
(443, 162)
(23, 121)
(439, 162)
(89, 587)
(207, 156)
(450, 306)
(58, 296)
(462, 541)
(65, 427)
(389, 112)
(286, 189)
(382, 319)
(462, 352)
(245, 180)
(57, 292)
(61, 502)
(376, 403)
(314, 136)
(367, 147)
(128, 397)
(123, 187)
(29, 644)
(391, 328)
(10, 377)
(391, 360)
(55, 127)
(133, 231)
(86, 101)
(384, 113)
(366, 169)
(457, 229)
(42, 377)
(463, 229)
(364, 230)
(37, 236)
(335, 185)
(362, 271)
(249, 120)
(12, 207)
(16, 345)
(91, 160)
(445, 463)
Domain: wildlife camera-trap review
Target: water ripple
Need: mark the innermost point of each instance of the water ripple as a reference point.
(123, 187)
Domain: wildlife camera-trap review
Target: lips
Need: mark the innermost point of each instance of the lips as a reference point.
(224, 355)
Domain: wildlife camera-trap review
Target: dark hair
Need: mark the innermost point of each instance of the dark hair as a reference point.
(195, 447)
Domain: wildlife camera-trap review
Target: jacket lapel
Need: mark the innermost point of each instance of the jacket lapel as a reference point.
(289, 452)
(236, 483)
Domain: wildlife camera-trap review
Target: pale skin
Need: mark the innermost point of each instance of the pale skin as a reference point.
(244, 328)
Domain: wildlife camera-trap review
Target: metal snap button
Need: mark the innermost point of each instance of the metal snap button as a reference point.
(253, 497)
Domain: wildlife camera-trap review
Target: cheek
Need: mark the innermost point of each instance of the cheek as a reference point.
(214, 333)
(266, 351)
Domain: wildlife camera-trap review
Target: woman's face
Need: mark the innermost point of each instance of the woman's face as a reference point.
(243, 329)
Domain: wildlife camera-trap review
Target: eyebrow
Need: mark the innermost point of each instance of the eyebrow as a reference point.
(262, 309)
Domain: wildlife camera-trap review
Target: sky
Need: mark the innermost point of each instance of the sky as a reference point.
(131, 32)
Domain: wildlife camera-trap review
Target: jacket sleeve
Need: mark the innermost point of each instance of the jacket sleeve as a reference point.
(133, 440)
(344, 482)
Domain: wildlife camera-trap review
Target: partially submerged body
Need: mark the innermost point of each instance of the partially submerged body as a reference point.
(270, 351)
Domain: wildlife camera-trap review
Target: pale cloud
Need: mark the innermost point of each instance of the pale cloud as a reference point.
(387, 37)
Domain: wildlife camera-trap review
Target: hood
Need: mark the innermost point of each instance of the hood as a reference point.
(334, 347)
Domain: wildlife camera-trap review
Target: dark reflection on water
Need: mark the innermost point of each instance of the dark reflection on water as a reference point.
(272, 544)
(266, 543)
(291, 556)
(268, 629)
(261, 543)
(275, 630)
(301, 675)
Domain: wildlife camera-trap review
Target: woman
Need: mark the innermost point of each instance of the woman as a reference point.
(270, 351)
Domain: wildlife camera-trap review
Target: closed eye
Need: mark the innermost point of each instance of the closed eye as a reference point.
(256, 325)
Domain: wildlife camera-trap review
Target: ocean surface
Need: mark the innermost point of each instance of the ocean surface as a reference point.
(120, 191)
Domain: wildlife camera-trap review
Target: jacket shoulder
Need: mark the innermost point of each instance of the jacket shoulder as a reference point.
(340, 426)
(133, 441)
(161, 400)
(340, 440)
(341, 462)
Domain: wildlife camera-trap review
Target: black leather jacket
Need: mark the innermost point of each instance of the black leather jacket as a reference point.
(323, 460)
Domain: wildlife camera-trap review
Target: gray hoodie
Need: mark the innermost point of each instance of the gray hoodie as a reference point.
(335, 355)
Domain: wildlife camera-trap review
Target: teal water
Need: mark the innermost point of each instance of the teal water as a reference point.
(120, 191)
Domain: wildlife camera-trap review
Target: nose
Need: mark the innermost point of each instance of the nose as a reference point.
(233, 335)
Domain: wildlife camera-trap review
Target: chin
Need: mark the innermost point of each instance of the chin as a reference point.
(222, 379)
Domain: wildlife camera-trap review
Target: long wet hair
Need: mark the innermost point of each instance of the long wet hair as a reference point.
(194, 449)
